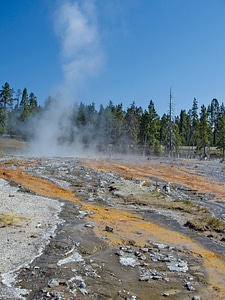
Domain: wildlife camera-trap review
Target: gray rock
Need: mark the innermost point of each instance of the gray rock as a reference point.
(108, 228)
(120, 253)
(82, 285)
(155, 256)
(166, 188)
(128, 261)
(89, 225)
(158, 245)
(177, 265)
(83, 291)
(165, 294)
(144, 249)
(127, 249)
(189, 286)
(146, 274)
(53, 282)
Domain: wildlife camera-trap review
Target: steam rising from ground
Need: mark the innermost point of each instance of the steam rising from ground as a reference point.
(53, 133)
(75, 24)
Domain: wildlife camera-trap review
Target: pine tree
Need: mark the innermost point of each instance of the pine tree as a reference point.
(204, 131)
(213, 112)
(165, 131)
(32, 103)
(144, 132)
(194, 122)
(154, 128)
(221, 133)
(24, 106)
(6, 105)
(184, 125)
(131, 126)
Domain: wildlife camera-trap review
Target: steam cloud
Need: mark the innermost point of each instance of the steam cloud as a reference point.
(75, 24)
(82, 56)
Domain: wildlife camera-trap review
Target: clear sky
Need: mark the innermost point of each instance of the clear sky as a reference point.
(119, 50)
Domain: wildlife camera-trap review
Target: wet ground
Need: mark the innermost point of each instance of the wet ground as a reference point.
(111, 242)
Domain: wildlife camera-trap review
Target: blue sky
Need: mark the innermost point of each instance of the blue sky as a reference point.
(119, 50)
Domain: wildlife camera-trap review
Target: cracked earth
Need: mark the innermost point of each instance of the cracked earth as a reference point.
(111, 229)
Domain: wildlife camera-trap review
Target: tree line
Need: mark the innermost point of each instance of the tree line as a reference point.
(113, 128)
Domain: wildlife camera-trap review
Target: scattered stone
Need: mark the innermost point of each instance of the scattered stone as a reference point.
(102, 183)
(146, 274)
(83, 214)
(128, 261)
(83, 291)
(166, 188)
(155, 256)
(120, 253)
(144, 249)
(89, 225)
(126, 295)
(39, 225)
(53, 282)
(158, 245)
(189, 286)
(108, 228)
(82, 285)
(177, 265)
(165, 294)
(127, 249)
(210, 235)
(54, 295)
(63, 282)
(75, 257)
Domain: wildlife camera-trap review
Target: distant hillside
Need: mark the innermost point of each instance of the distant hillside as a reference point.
(9, 145)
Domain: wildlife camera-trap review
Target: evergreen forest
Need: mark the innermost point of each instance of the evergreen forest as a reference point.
(196, 132)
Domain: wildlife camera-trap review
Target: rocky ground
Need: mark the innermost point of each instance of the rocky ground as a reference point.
(111, 229)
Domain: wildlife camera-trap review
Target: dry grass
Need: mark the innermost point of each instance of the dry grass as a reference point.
(160, 201)
(207, 224)
(10, 218)
(195, 216)
(12, 162)
(187, 206)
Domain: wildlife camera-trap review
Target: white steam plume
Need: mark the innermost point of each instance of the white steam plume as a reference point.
(75, 23)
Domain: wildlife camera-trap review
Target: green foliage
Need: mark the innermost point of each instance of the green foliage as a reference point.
(204, 131)
(132, 124)
(220, 141)
(213, 112)
(133, 130)
(184, 125)
(149, 130)
(6, 103)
